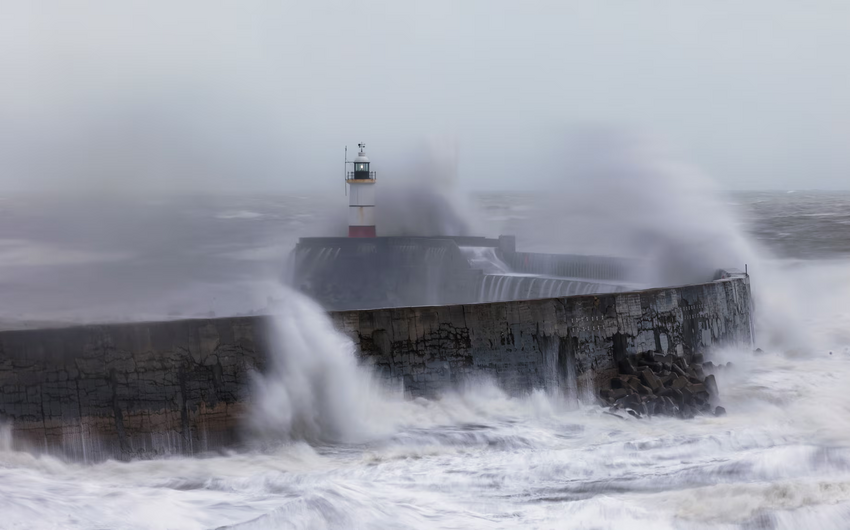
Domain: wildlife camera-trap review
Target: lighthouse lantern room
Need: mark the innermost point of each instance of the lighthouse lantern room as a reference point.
(361, 196)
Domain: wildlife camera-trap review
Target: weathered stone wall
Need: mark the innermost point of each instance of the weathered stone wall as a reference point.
(571, 342)
(121, 390)
(125, 390)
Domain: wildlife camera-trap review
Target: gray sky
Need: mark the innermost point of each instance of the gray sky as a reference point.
(261, 96)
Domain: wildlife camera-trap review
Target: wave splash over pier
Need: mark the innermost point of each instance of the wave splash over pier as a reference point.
(314, 389)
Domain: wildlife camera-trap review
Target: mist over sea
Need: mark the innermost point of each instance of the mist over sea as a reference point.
(355, 454)
(154, 157)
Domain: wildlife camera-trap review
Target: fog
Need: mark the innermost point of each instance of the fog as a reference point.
(161, 160)
(202, 96)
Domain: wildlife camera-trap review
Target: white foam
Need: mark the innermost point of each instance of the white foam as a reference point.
(313, 388)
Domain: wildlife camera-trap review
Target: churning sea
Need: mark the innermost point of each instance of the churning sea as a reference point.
(475, 458)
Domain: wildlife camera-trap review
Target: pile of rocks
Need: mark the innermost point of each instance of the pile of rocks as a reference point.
(651, 384)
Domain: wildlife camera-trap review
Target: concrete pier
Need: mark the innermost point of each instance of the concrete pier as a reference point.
(147, 389)
(357, 273)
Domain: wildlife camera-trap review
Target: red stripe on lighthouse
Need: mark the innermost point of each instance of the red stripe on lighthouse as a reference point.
(361, 231)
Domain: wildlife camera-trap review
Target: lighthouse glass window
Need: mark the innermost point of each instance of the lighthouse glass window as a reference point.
(362, 167)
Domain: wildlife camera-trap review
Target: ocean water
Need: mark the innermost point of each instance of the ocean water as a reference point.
(355, 454)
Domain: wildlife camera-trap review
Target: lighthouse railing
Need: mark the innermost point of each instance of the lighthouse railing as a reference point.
(350, 175)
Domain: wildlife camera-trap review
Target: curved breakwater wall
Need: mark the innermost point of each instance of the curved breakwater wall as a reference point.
(143, 389)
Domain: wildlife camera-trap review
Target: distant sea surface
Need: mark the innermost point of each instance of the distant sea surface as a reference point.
(82, 259)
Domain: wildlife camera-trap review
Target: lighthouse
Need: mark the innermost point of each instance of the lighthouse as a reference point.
(361, 196)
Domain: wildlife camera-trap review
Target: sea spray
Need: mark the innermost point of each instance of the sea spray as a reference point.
(421, 196)
(624, 194)
(417, 195)
(314, 389)
(631, 197)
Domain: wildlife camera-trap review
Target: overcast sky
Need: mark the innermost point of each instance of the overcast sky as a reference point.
(262, 96)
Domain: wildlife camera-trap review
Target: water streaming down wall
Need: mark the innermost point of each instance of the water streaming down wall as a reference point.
(501, 282)
(485, 259)
(503, 287)
(603, 268)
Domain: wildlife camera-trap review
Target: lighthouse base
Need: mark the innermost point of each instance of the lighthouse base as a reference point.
(361, 231)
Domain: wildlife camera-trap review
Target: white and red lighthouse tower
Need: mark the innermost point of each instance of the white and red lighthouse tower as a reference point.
(361, 196)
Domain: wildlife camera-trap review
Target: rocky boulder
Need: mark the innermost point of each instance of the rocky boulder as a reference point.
(653, 384)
